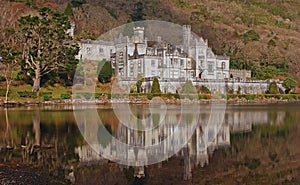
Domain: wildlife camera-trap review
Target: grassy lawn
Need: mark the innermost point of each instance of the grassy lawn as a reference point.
(56, 91)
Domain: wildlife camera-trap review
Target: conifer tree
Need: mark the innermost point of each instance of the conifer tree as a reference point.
(155, 86)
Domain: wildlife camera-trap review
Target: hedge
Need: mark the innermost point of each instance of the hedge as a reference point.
(26, 94)
(267, 96)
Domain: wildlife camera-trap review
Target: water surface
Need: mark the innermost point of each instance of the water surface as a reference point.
(254, 144)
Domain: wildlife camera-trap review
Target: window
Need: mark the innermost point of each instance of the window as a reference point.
(131, 64)
(181, 63)
(210, 68)
(88, 50)
(101, 50)
(201, 63)
(223, 65)
(153, 73)
(160, 64)
(152, 63)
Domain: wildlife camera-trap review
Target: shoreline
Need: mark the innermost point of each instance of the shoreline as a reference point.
(142, 101)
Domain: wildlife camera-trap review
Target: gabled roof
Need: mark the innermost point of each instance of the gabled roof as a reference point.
(223, 57)
(210, 53)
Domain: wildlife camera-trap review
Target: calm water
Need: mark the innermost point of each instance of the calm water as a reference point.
(253, 144)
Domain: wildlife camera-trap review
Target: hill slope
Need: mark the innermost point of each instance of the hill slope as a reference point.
(261, 35)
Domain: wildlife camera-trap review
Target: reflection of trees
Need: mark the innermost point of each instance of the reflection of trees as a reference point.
(36, 121)
(48, 141)
(8, 135)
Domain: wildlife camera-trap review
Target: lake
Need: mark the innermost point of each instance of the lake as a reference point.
(142, 144)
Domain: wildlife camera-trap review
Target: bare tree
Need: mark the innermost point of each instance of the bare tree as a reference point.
(9, 54)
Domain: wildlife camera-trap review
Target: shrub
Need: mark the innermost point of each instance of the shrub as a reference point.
(105, 71)
(202, 89)
(65, 96)
(289, 84)
(252, 163)
(286, 97)
(25, 94)
(239, 90)
(278, 96)
(46, 98)
(149, 96)
(251, 35)
(250, 96)
(45, 93)
(155, 86)
(231, 96)
(177, 96)
(273, 88)
(133, 88)
(97, 95)
(201, 96)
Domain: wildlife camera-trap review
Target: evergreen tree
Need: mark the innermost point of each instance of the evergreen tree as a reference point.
(289, 84)
(155, 86)
(273, 88)
(105, 71)
(189, 88)
(46, 44)
(138, 14)
(68, 11)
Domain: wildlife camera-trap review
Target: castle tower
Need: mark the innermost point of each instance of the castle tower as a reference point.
(138, 35)
(186, 30)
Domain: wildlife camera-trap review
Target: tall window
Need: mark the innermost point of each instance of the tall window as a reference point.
(223, 65)
(210, 68)
(201, 63)
(152, 63)
(101, 50)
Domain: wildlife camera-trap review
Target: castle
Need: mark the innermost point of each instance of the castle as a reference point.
(131, 56)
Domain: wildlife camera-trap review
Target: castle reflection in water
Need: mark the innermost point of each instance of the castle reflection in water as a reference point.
(206, 137)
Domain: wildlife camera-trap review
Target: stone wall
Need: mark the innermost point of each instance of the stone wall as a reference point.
(215, 86)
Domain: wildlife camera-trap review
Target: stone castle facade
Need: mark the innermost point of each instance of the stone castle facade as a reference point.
(131, 56)
(136, 56)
